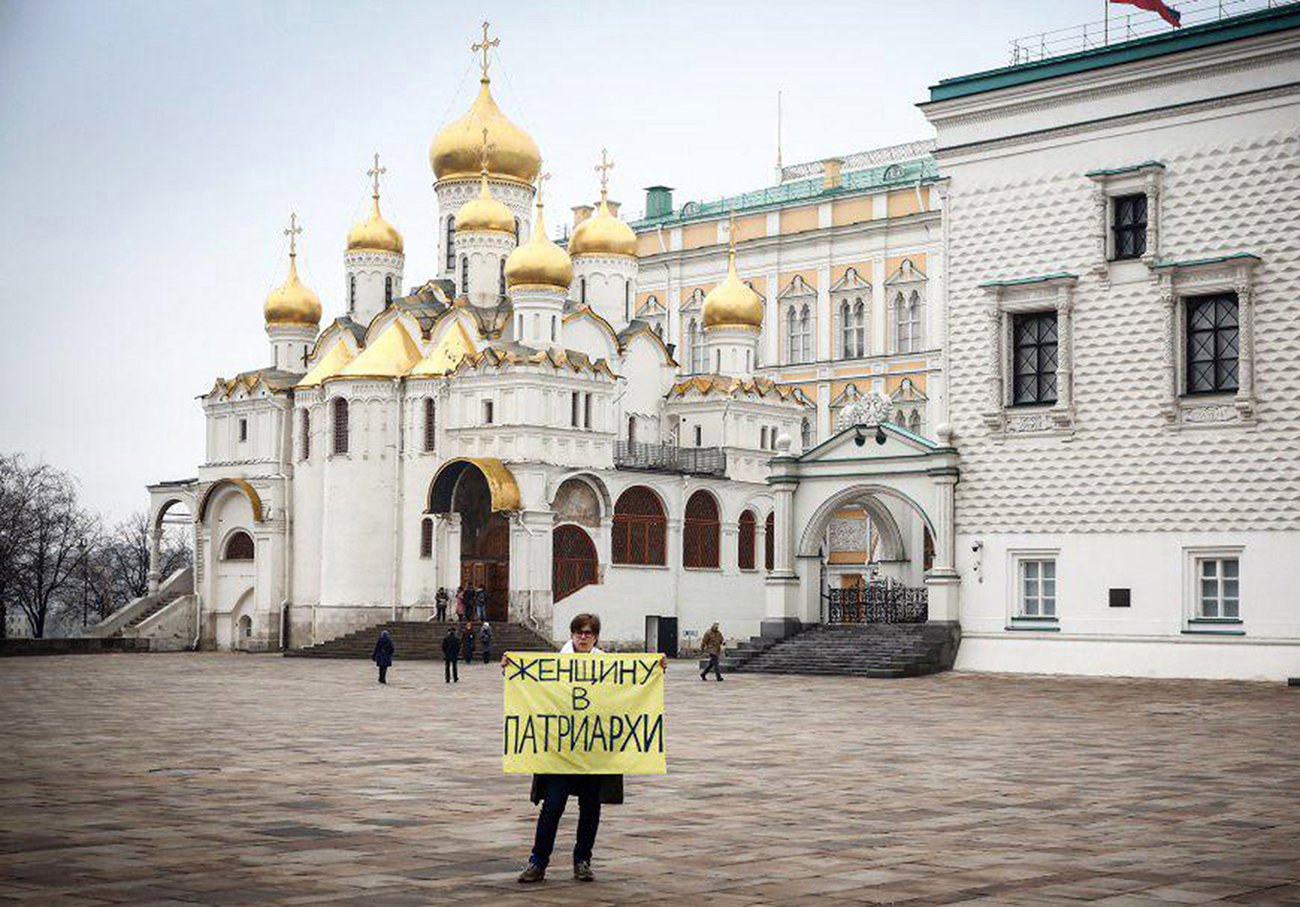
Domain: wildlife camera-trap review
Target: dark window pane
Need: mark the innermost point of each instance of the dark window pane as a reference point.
(1034, 358)
(1212, 344)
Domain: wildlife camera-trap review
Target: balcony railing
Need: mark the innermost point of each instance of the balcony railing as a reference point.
(707, 461)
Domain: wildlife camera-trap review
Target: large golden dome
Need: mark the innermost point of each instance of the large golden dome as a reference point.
(374, 234)
(454, 153)
(731, 304)
(539, 262)
(603, 234)
(484, 212)
(291, 302)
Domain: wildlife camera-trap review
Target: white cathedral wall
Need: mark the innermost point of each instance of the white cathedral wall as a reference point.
(371, 270)
(610, 286)
(308, 513)
(1125, 493)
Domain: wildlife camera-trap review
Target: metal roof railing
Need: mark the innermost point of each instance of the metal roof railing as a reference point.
(1126, 26)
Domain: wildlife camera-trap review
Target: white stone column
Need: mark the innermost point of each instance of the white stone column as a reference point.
(155, 558)
(943, 583)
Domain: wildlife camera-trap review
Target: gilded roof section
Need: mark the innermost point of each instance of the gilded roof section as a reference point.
(447, 355)
(330, 364)
(392, 355)
(733, 387)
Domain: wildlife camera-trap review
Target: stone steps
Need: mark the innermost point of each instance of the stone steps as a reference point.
(859, 650)
(422, 641)
(161, 602)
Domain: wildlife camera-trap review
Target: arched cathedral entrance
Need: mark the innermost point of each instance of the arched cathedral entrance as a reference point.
(476, 495)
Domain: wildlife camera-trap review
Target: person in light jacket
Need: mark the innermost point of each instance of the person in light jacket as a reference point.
(711, 645)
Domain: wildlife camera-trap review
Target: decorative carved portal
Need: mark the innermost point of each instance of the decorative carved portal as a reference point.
(484, 542)
(573, 561)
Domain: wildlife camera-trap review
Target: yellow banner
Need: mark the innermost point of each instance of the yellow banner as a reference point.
(584, 714)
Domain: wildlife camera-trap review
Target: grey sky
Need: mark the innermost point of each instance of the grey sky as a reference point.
(152, 152)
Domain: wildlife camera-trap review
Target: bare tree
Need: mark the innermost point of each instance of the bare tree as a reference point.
(12, 513)
(52, 538)
(123, 557)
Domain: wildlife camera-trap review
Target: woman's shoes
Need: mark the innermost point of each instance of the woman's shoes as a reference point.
(533, 872)
(582, 872)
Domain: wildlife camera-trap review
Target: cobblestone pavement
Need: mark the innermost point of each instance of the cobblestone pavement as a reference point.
(226, 779)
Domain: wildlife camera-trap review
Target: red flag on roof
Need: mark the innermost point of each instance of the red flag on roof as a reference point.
(1168, 13)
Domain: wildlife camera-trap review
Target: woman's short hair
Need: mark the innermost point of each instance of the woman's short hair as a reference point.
(585, 620)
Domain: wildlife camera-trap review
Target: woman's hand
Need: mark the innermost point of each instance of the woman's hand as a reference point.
(663, 663)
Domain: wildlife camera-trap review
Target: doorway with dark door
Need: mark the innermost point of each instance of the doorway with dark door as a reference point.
(661, 635)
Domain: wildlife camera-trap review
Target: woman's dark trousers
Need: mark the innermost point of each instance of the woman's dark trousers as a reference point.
(556, 790)
(713, 666)
(383, 673)
(451, 672)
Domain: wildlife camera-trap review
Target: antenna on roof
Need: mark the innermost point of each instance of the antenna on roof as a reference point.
(778, 135)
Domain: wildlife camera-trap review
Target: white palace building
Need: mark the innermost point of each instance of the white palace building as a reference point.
(1040, 374)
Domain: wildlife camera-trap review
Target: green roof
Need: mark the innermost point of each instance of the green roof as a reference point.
(1016, 281)
(903, 173)
(1218, 259)
(1175, 41)
(1116, 171)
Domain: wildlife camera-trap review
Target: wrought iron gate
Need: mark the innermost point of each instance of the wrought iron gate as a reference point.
(878, 601)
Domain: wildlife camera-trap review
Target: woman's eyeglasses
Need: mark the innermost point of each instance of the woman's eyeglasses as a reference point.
(584, 632)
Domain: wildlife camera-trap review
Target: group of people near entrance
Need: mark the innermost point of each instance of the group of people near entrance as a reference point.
(471, 603)
(552, 792)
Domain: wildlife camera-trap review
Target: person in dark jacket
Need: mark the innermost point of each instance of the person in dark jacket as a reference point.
(383, 655)
(481, 603)
(440, 604)
(467, 644)
(485, 640)
(450, 652)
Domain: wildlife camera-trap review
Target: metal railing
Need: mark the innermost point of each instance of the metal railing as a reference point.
(891, 154)
(1126, 26)
(880, 601)
(709, 461)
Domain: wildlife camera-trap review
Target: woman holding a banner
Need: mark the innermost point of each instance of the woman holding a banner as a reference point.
(553, 791)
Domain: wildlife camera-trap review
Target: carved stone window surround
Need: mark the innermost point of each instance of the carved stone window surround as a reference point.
(1012, 297)
(1146, 178)
(1180, 281)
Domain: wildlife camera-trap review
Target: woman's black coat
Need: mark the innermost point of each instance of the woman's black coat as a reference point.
(450, 647)
(383, 651)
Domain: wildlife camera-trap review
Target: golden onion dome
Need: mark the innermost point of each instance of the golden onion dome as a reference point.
(539, 262)
(513, 154)
(731, 304)
(291, 302)
(485, 212)
(603, 234)
(374, 234)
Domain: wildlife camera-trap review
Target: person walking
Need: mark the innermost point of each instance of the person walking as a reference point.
(450, 652)
(460, 603)
(481, 603)
(485, 640)
(711, 645)
(440, 602)
(467, 644)
(383, 654)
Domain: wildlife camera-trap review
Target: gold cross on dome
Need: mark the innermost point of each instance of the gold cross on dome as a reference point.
(603, 169)
(486, 47)
(375, 173)
(485, 152)
(541, 178)
(292, 232)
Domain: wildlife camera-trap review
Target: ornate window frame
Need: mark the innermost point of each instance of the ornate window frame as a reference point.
(851, 289)
(1146, 178)
(797, 295)
(1012, 297)
(906, 282)
(1182, 280)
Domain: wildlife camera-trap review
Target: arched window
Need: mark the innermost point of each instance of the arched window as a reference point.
(501, 281)
(631, 430)
(627, 300)
(340, 425)
(805, 434)
(846, 331)
(451, 243)
(769, 541)
(239, 547)
(306, 434)
(553, 325)
(352, 293)
(762, 438)
(907, 321)
(464, 275)
(573, 561)
(748, 531)
(805, 334)
(426, 538)
(388, 289)
(582, 290)
(430, 425)
(699, 436)
(700, 532)
(717, 361)
(914, 423)
(516, 231)
(695, 351)
(914, 317)
(640, 528)
(791, 335)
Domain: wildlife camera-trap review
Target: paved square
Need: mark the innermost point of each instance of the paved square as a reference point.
(227, 779)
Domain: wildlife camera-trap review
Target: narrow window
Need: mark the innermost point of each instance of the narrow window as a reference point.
(464, 275)
(627, 300)
(574, 407)
(1034, 373)
(340, 425)
(426, 538)
(902, 326)
(1212, 338)
(1130, 226)
(306, 435)
(846, 332)
(748, 530)
(451, 243)
(582, 290)
(388, 290)
(717, 361)
(631, 430)
(805, 333)
(805, 434)
(487, 412)
(243, 430)
(859, 328)
(537, 326)
(553, 329)
(352, 293)
(1038, 588)
(586, 411)
(1218, 592)
(769, 541)
(699, 436)
(791, 335)
(762, 438)
(501, 282)
(516, 231)
(430, 425)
